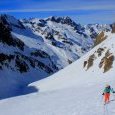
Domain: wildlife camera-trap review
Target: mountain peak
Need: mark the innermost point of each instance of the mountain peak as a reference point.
(63, 20)
(11, 21)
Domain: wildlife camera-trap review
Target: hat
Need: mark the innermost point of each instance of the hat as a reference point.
(107, 85)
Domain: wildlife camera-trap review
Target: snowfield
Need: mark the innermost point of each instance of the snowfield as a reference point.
(71, 91)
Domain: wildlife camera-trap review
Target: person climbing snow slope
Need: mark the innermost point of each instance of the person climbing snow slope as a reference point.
(106, 93)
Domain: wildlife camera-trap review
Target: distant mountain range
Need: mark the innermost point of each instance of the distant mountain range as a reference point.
(32, 49)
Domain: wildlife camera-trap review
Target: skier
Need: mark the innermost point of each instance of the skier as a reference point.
(106, 93)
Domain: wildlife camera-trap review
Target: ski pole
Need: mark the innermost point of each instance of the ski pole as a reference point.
(103, 98)
(114, 96)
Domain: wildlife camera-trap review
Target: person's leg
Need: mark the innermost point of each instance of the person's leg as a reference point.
(108, 97)
(105, 98)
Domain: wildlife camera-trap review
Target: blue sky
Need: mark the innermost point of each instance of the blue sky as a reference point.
(82, 11)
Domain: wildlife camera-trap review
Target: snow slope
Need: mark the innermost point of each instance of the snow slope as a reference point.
(71, 91)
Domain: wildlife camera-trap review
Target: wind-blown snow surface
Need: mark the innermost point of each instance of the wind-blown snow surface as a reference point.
(71, 91)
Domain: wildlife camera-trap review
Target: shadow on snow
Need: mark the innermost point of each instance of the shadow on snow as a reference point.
(22, 91)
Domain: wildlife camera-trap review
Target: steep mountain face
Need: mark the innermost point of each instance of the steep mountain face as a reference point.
(61, 33)
(104, 54)
(94, 29)
(95, 68)
(33, 49)
(20, 64)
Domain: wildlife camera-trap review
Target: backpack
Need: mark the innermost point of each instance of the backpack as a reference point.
(107, 89)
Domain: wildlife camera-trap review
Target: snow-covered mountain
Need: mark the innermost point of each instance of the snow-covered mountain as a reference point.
(33, 49)
(94, 29)
(74, 90)
(98, 64)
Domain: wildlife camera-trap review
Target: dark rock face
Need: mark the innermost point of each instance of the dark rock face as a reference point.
(42, 23)
(5, 59)
(107, 61)
(93, 33)
(6, 38)
(95, 29)
(100, 38)
(67, 20)
(90, 61)
(10, 21)
(22, 62)
(113, 27)
(40, 53)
